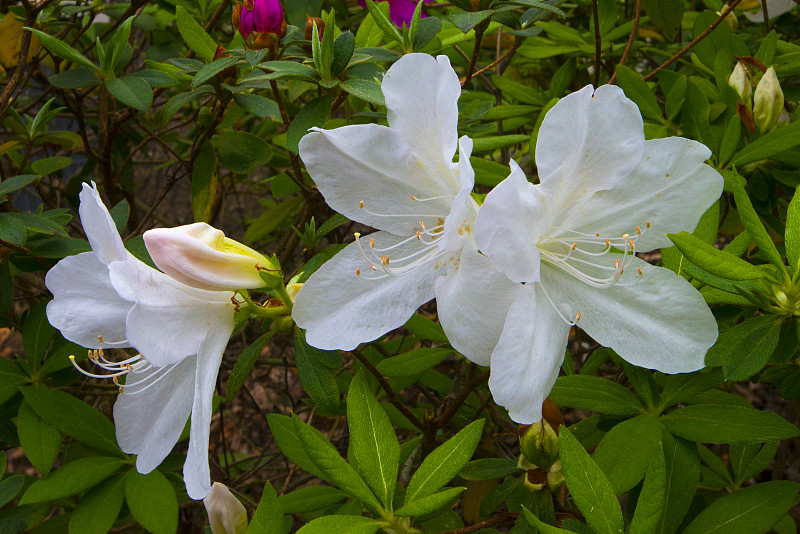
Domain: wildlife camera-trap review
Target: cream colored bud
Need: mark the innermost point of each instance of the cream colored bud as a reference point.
(767, 101)
(199, 255)
(226, 515)
(741, 84)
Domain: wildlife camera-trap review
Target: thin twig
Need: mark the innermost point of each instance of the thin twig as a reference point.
(479, 29)
(694, 41)
(504, 519)
(631, 39)
(393, 398)
(492, 64)
(597, 44)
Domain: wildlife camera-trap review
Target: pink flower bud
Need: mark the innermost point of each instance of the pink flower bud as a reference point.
(199, 255)
(262, 16)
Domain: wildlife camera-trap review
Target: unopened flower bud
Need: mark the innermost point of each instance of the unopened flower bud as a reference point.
(309, 30)
(539, 441)
(767, 101)
(741, 84)
(236, 17)
(199, 255)
(262, 16)
(226, 514)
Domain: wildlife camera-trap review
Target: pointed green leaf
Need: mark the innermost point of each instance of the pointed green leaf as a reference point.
(194, 35)
(430, 503)
(70, 479)
(152, 501)
(131, 91)
(98, 508)
(39, 441)
(716, 423)
(752, 222)
(269, 514)
(650, 504)
(62, 49)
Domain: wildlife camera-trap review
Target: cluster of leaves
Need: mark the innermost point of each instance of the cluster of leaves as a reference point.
(136, 97)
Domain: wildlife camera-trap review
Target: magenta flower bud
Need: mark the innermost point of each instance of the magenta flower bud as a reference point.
(268, 16)
(247, 23)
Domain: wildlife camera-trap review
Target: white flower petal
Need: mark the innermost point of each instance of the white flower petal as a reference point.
(340, 309)
(472, 302)
(658, 321)
(373, 164)
(527, 359)
(776, 8)
(421, 95)
(85, 304)
(168, 320)
(671, 187)
(509, 224)
(459, 224)
(150, 421)
(99, 227)
(588, 141)
(196, 473)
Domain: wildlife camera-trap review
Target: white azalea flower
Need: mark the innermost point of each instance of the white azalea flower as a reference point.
(400, 179)
(775, 7)
(566, 248)
(108, 298)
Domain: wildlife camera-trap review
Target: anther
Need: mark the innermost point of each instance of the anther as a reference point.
(625, 236)
(630, 242)
(647, 224)
(640, 270)
(374, 268)
(413, 197)
(115, 380)
(372, 242)
(358, 272)
(120, 389)
(638, 230)
(361, 204)
(422, 225)
(574, 246)
(597, 234)
(577, 317)
(616, 264)
(100, 339)
(419, 236)
(608, 242)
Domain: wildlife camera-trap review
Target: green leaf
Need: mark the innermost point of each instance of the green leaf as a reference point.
(269, 514)
(77, 78)
(754, 509)
(37, 333)
(381, 18)
(270, 220)
(309, 499)
(730, 139)
(289, 70)
(242, 152)
(152, 501)
(650, 504)
(716, 423)
(466, 20)
(768, 145)
(131, 91)
(431, 503)
(745, 349)
(318, 379)
(10, 487)
(792, 233)
(15, 183)
(695, 114)
(327, 459)
(212, 69)
(373, 443)
(11, 378)
(487, 144)
(683, 387)
(341, 524)
(314, 114)
(260, 106)
(444, 462)
(426, 329)
(243, 365)
(343, 48)
(70, 479)
(540, 526)
(637, 90)
(587, 392)
(625, 452)
(73, 417)
(488, 469)
(47, 166)
(413, 362)
(589, 486)
(752, 222)
(204, 182)
(666, 14)
(62, 49)
(366, 90)
(714, 261)
(194, 35)
(39, 441)
(98, 508)
(285, 434)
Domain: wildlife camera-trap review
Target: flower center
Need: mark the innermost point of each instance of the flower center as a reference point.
(396, 259)
(135, 364)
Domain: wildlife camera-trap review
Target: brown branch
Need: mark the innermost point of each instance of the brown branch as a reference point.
(31, 12)
(479, 29)
(504, 519)
(393, 398)
(452, 407)
(694, 41)
(492, 64)
(631, 38)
